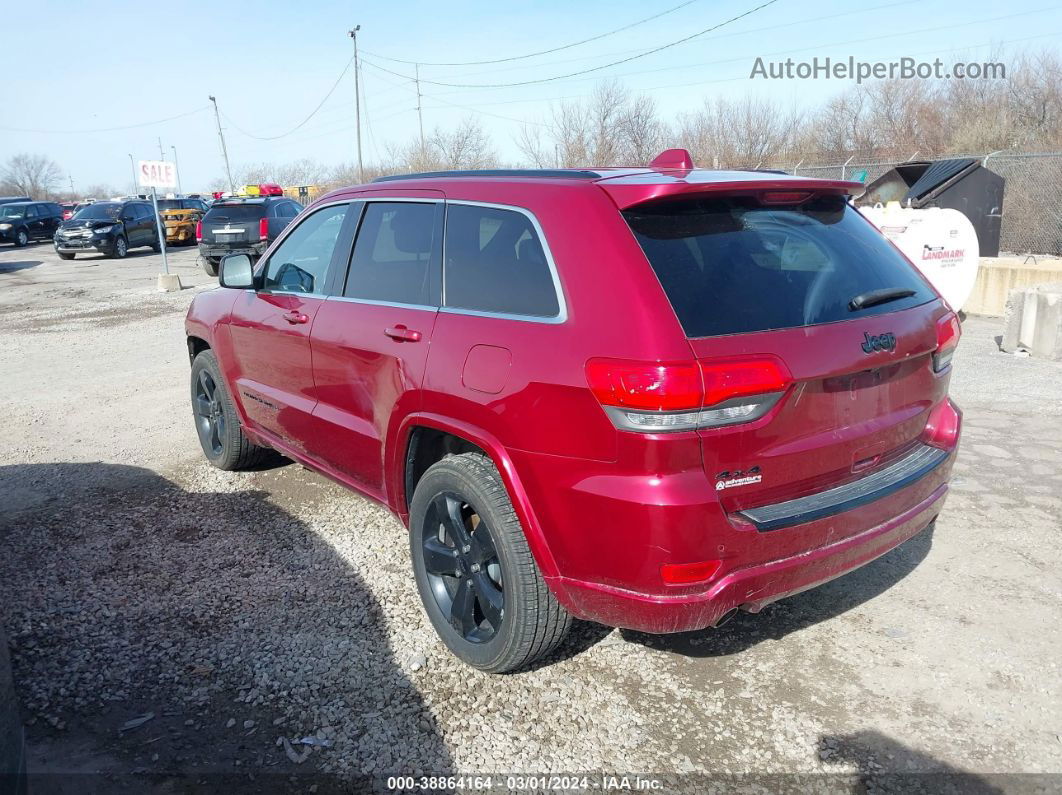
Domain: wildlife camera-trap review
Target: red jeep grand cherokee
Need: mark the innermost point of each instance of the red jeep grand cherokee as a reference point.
(647, 397)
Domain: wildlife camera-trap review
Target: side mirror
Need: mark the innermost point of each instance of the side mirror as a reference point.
(236, 272)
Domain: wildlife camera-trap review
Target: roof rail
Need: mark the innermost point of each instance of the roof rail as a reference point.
(549, 173)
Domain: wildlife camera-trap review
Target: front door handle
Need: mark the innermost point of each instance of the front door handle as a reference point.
(402, 334)
(295, 316)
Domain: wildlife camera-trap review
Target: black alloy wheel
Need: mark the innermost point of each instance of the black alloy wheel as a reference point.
(463, 569)
(209, 413)
(475, 573)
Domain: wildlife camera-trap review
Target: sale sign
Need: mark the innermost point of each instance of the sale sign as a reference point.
(157, 174)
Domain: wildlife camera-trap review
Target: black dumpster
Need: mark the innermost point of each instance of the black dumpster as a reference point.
(961, 184)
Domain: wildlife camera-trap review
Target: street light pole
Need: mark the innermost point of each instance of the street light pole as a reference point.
(224, 151)
(177, 168)
(162, 154)
(132, 167)
(357, 101)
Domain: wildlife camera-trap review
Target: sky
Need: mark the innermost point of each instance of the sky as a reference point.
(88, 84)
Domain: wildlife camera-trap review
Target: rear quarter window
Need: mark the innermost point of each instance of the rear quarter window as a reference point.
(731, 265)
(496, 263)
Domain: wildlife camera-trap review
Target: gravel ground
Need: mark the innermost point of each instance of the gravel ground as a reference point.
(248, 611)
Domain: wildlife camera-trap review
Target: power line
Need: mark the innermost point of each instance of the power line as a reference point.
(301, 123)
(107, 129)
(485, 112)
(746, 32)
(592, 69)
(702, 64)
(540, 52)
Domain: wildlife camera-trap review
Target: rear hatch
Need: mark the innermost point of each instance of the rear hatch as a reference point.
(800, 285)
(233, 223)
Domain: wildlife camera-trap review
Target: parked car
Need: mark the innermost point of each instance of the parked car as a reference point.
(10, 199)
(111, 228)
(68, 209)
(643, 397)
(180, 217)
(13, 779)
(21, 222)
(242, 225)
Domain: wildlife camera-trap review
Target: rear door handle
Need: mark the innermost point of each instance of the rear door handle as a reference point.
(294, 316)
(402, 334)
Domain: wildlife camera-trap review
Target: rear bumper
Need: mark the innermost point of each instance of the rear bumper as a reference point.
(750, 588)
(217, 251)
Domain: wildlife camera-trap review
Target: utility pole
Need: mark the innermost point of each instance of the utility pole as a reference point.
(357, 101)
(132, 167)
(224, 151)
(71, 176)
(420, 116)
(162, 154)
(177, 168)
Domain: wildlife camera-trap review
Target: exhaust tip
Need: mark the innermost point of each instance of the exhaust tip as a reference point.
(729, 614)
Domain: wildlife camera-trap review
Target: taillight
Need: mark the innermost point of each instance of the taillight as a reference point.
(943, 426)
(198, 231)
(655, 397)
(948, 333)
(263, 229)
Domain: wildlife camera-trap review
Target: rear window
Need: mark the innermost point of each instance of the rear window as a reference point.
(731, 265)
(235, 212)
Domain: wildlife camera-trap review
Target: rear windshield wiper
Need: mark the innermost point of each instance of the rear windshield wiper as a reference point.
(875, 297)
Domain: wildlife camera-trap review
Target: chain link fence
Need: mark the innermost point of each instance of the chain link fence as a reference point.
(1032, 198)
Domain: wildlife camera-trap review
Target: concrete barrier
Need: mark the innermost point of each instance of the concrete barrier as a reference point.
(1034, 321)
(998, 276)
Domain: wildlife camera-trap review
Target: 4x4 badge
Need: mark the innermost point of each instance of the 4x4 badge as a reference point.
(881, 342)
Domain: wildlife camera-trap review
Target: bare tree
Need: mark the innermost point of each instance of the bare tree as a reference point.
(37, 176)
(641, 134)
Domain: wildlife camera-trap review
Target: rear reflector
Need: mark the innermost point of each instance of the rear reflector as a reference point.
(689, 573)
(655, 397)
(948, 333)
(943, 426)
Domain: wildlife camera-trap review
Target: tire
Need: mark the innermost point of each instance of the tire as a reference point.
(210, 266)
(498, 635)
(65, 256)
(120, 248)
(156, 246)
(21, 238)
(217, 423)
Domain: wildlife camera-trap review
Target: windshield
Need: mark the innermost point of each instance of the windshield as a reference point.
(169, 204)
(100, 211)
(731, 265)
(12, 211)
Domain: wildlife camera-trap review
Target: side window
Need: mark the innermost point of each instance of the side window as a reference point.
(300, 263)
(31, 211)
(495, 262)
(393, 253)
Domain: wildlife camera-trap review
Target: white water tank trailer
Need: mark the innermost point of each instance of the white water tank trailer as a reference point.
(940, 242)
